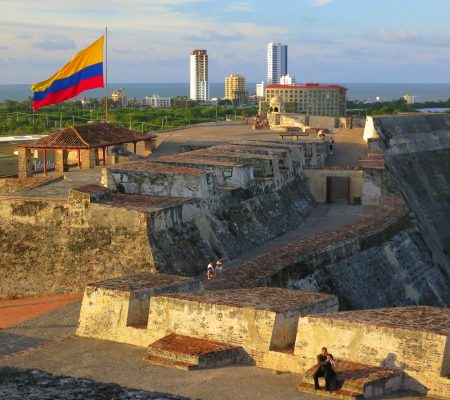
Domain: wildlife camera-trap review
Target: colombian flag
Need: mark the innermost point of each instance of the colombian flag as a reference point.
(83, 72)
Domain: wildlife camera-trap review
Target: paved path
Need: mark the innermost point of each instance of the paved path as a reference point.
(13, 312)
(323, 218)
(349, 146)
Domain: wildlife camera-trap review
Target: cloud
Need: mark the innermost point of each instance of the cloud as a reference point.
(4, 47)
(321, 2)
(240, 7)
(24, 36)
(55, 43)
(411, 38)
(213, 36)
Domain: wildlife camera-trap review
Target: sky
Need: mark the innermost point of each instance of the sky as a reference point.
(150, 40)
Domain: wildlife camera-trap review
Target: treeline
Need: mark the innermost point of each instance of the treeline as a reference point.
(391, 107)
(17, 117)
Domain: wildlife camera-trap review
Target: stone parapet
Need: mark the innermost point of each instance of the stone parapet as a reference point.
(263, 165)
(259, 319)
(118, 309)
(283, 155)
(156, 179)
(225, 172)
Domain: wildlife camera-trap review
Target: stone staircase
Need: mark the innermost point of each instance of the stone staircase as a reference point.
(355, 381)
(189, 353)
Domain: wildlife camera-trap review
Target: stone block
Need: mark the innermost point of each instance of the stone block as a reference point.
(117, 309)
(411, 339)
(259, 319)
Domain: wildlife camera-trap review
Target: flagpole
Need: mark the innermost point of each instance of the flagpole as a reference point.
(106, 74)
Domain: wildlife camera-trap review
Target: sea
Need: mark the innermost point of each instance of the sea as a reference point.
(365, 92)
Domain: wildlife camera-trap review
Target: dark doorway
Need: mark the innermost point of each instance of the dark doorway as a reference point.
(338, 189)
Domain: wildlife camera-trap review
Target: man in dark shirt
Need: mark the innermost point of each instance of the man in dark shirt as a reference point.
(325, 369)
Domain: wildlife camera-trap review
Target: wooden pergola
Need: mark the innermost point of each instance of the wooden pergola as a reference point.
(86, 140)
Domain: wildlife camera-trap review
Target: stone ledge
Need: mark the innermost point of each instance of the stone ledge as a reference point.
(144, 280)
(415, 318)
(272, 299)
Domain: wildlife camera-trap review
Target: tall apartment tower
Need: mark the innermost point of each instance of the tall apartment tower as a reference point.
(199, 85)
(277, 54)
(235, 88)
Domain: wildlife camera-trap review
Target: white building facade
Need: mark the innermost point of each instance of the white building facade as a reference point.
(261, 89)
(199, 84)
(157, 101)
(287, 80)
(277, 67)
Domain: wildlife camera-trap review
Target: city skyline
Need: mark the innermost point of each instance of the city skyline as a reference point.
(329, 40)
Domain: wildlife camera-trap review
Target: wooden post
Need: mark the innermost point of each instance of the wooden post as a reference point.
(134, 147)
(79, 159)
(45, 162)
(104, 156)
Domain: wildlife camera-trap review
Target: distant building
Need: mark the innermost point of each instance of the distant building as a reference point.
(235, 89)
(410, 99)
(310, 98)
(287, 80)
(157, 101)
(260, 89)
(199, 84)
(277, 62)
(120, 96)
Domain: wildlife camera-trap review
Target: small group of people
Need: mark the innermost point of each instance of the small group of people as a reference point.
(325, 366)
(213, 268)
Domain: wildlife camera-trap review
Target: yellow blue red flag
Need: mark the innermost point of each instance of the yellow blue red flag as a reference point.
(83, 72)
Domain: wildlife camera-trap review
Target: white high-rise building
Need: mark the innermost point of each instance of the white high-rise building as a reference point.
(277, 54)
(199, 85)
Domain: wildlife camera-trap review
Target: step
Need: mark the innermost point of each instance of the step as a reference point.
(308, 388)
(357, 377)
(164, 362)
(202, 353)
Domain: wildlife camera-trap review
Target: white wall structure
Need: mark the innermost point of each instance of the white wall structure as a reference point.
(199, 84)
(369, 130)
(276, 61)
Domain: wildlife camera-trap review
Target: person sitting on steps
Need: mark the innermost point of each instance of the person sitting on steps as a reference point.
(325, 363)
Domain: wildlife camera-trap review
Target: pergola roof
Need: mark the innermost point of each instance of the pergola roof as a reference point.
(88, 136)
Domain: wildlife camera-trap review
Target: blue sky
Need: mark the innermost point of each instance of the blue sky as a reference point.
(150, 40)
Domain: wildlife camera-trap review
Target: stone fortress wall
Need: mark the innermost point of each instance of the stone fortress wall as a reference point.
(157, 215)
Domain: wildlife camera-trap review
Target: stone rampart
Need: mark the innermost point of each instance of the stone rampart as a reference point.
(417, 153)
(414, 340)
(57, 246)
(297, 260)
